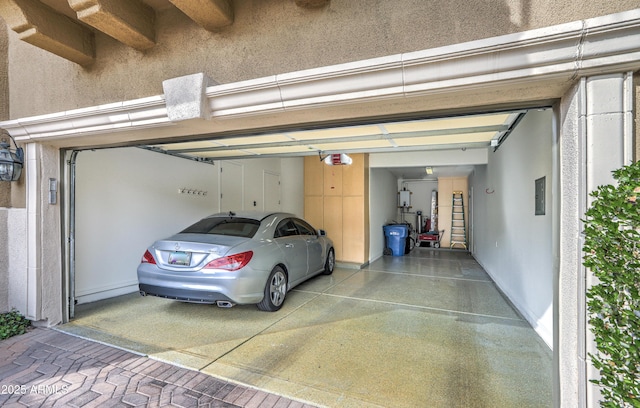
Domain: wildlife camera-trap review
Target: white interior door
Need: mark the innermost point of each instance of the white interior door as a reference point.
(231, 186)
(271, 191)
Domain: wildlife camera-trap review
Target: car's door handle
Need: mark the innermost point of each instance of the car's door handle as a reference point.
(288, 245)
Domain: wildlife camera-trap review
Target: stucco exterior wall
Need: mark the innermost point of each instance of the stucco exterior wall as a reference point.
(271, 37)
(34, 242)
(17, 259)
(5, 194)
(13, 277)
(5, 188)
(4, 265)
(4, 72)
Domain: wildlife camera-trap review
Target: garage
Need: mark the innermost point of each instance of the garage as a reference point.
(127, 197)
(153, 195)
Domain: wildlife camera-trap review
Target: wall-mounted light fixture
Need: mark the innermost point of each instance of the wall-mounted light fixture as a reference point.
(429, 170)
(11, 162)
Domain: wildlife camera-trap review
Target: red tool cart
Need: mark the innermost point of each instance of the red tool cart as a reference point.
(432, 238)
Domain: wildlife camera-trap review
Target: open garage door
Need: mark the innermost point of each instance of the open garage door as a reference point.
(487, 130)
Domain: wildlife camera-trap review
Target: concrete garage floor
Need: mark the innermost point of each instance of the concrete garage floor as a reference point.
(428, 329)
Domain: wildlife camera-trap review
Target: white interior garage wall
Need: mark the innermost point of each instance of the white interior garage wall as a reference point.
(512, 243)
(127, 198)
(292, 185)
(383, 187)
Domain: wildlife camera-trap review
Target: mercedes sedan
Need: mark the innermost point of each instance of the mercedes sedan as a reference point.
(236, 258)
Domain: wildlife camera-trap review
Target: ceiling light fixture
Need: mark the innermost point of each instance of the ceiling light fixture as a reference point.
(336, 159)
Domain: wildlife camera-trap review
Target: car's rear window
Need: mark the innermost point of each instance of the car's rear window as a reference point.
(237, 227)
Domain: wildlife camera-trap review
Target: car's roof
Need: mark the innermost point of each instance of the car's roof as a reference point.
(255, 215)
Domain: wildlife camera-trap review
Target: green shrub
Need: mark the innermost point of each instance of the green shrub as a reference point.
(612, 253)
(12, 324)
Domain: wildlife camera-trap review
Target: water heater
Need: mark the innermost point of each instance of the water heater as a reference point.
(405, 199)
(434, 210)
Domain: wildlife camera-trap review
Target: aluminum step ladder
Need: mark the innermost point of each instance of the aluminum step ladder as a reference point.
(458, 227)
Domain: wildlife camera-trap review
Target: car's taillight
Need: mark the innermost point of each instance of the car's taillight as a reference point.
(148, 258)
(231, 262)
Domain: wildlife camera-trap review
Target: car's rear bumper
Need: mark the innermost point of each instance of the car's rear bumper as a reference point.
(193, 296)
(239, 287)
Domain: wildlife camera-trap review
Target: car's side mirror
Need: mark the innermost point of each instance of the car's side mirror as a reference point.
(322, 233)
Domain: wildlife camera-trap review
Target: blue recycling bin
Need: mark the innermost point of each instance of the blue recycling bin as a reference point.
(396, 238)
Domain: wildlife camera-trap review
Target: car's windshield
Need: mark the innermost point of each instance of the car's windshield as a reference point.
(237, 227)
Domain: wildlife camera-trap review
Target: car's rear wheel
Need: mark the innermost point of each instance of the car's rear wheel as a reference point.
(275, 291)
(330, 263)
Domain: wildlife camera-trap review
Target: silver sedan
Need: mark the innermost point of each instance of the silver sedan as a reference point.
(236, 258)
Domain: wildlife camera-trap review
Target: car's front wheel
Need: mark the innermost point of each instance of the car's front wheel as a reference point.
(330, 263)
(274, 291)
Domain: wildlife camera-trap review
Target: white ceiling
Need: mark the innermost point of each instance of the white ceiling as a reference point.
(468, 131)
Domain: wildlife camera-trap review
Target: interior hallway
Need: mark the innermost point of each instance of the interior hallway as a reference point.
(427, 329)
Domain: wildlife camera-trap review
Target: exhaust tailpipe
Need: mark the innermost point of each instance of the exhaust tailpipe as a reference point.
(225, 304)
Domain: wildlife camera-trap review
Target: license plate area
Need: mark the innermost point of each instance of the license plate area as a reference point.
(180, 258)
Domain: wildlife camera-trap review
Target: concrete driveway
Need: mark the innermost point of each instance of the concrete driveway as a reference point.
(426, 329)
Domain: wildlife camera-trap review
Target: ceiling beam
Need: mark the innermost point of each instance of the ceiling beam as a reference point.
(129, 21)
(41, 26)
(212, 15)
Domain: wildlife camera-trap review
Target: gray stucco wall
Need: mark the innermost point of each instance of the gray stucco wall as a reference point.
(13, 260)
(4, 264)
(272, 37)
(4, 72)
(17, 259)
(5, 188)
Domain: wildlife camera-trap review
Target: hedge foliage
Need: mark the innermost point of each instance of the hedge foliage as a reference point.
(612, 253)
(12, 324)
